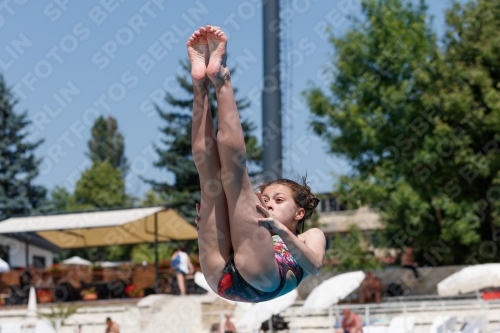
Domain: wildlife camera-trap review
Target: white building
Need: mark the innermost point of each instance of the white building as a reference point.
(39, 251)
(335, 219)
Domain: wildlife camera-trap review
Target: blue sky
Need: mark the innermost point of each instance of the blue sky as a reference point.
(70, 61)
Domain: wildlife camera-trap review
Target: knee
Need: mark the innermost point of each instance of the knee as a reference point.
(202, 149)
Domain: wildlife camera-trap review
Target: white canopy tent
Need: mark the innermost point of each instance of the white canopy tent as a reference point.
(77, 261)
(105, 228)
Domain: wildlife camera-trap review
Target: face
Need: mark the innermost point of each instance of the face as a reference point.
(346, 313)
(279, 202)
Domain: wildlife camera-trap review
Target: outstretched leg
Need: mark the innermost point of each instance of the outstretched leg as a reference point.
(214, 238)
(253, 248)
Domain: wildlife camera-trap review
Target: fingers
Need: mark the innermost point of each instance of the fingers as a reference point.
(262, 222)
(263, 210)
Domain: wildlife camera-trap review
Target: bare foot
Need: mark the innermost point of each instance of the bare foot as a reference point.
(198, 53)
(216, 69)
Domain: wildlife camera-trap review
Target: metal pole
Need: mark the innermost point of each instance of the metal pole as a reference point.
(157, 270)
(367, 315)
(271, 93)
(330, 320)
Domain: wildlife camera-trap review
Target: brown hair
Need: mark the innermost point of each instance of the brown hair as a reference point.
(301, 195)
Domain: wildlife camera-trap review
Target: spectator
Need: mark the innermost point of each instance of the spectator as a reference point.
(214, 328)
(351, 323)
(46, 281)
(182, 264)
(24, 286)
(408, 261)
(111, 326)
(371, 289)
(228, 325)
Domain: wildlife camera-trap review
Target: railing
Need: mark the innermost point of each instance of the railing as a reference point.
(189, 315)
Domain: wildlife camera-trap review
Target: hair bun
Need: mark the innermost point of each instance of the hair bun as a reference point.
(313, 202)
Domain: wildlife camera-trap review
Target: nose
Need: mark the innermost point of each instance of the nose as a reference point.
(269, 206)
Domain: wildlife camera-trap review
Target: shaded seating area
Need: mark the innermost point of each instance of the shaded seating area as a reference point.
(76, 282)
(98, 229)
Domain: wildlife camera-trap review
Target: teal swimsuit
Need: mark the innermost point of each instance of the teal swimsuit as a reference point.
(232, 286)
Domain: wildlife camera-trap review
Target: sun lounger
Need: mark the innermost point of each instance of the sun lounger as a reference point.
(398, 324)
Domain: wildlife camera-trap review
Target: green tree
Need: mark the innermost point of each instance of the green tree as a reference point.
(60, 313)
(107, 144)
(101, 186)
(388, 81)
(351, 252)
(175, 153)
(62, 200)
(18, 164)
(145, 252)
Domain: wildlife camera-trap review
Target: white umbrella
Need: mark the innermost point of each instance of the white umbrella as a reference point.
(76, 260)
(469, 279)
(263, 311)
(331, 291)
(107, 264)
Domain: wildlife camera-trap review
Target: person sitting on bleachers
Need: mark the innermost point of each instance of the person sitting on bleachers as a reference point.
(351, 323)
(371, 289)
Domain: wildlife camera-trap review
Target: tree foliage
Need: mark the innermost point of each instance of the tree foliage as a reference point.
(175, 151)
(419, 125)
(101, 186)
(107, 144)
(351, 252)
(18, 164)
(60, 313)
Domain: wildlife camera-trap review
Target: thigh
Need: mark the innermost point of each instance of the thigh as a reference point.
(214, 239)
(253, 246)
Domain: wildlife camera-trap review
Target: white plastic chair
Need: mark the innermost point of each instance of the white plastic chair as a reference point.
(472, 325)
(398, 324)
(11, 328)
(443, 324)
(401, 324)
(43, 326)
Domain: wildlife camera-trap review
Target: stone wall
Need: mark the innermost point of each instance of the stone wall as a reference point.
(430, 277)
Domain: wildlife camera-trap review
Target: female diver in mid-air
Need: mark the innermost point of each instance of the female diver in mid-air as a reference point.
(250, 248)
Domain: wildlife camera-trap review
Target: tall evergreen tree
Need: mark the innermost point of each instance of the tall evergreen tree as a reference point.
(175, 154)
(420, 126)
(107, 143)
(18, 164)
(101, 186)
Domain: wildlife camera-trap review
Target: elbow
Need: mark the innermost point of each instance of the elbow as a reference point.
(316, 269)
